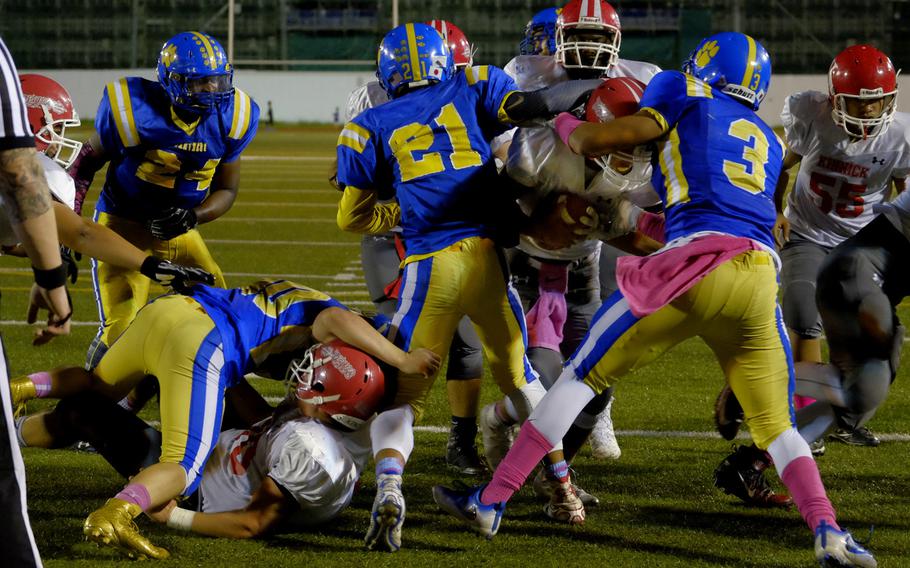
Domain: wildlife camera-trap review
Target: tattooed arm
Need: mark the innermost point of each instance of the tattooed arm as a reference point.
(28, 202)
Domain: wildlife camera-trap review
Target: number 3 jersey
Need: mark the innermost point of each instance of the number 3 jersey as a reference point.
(158, 160)
(718, 167)
(841, 179)
(432, 146)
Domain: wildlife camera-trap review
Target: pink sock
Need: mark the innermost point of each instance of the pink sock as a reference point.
(800, 401)
(805, 485)
(135, 493)
(42, 382)
(510, 475)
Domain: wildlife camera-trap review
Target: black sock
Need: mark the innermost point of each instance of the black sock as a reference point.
(464, 428)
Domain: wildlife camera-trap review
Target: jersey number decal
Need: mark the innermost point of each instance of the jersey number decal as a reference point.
(755, 153)
(162, 168)
(845, 198)
(416, 137)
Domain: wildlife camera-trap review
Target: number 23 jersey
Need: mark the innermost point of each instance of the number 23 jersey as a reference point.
(432, 146)
(718, 167)
(157, 159)
(841, 179)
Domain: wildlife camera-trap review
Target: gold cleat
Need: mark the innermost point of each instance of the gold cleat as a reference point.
(22, 389)
(113, 525)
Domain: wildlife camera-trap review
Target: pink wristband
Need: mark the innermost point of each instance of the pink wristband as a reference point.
(565, 125)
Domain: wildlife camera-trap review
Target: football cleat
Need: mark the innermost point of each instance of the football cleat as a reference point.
(860, 436)
(742, 474)
(544, 487)
(22, 389)
(496, 436)
(728, 413)
(818, 447)
(461, 456)
(113, 525)
(565, 506)
(603, 439)
(465, 505)
(387, 516)
(835, 547)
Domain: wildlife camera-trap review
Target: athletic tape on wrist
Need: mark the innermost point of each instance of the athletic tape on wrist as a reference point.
(181, 519)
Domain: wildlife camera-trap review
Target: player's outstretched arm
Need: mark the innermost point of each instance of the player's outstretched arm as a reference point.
(595, 139)
(268, 506)
(782, 224)
(359, 212)
(332, 323)
(545, 103)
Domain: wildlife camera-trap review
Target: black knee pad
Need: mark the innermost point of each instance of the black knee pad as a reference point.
(547, 363)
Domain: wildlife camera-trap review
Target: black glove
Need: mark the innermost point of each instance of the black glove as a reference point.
(172, 223)
(180, 278)
(72, 269)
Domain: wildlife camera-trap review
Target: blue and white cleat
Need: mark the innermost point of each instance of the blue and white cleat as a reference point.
(387, 516)
(465, 504)
(837, 548)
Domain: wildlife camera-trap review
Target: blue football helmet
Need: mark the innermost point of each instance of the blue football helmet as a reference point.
(194, 70)
(540, 32)
(733, 63)
(413, 55)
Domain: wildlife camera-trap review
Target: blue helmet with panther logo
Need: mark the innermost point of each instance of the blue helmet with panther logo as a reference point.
(412, 55)
(194, 70)
(733, 63)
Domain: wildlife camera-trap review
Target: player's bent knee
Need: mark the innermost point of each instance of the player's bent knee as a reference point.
(526, 398)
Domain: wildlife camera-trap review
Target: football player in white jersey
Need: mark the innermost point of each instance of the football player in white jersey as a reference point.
(563, 288)
(296, 465)
(851, 145)
(587, 40)
(381, 256)
(50, 113)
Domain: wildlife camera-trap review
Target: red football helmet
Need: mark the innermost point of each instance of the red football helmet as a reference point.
(344, 382)
(50, 112)
(461, 48)
(863, 73)
(616, 97)
(587, 35)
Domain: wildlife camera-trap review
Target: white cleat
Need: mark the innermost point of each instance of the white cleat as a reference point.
(387, 516)
(496, 435)
(603, 440)
(544, 488)
(837, 548)
(565, 506)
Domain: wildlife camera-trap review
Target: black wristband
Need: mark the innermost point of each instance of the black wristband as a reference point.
(51, 278)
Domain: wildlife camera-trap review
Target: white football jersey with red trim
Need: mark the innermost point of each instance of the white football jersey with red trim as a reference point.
(841, 179)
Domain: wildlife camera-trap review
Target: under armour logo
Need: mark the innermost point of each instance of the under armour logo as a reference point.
(875, 160)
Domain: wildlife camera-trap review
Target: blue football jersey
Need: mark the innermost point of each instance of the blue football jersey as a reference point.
(433, 147)
(718, 167)
(264, 319)
(158, 160)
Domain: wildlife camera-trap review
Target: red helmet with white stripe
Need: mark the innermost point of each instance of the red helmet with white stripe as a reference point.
(50, 113)
(342, 381)
(863, 77)
(462, 50)
(587, 35)
(616, 97)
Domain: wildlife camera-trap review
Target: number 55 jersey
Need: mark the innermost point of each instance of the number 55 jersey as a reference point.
(717, 169)
(841, 178)
(432, 146)
(158, 159)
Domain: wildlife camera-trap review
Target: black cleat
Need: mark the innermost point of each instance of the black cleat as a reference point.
(462, 456)
(860, 436)
(742, 474)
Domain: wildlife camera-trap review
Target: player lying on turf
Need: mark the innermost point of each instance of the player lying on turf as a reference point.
(716, 279)
(296, 465)
(50, 112)
(198, 346)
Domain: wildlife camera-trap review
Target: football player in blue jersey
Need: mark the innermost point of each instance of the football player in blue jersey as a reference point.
(174, 147)
(431, 144)
(716, 278)
(540, 33)
(198, 346)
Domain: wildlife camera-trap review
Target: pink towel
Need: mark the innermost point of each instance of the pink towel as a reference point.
(651, 282)
(547, 317)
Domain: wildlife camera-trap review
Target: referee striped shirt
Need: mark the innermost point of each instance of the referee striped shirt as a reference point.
(14, 129)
